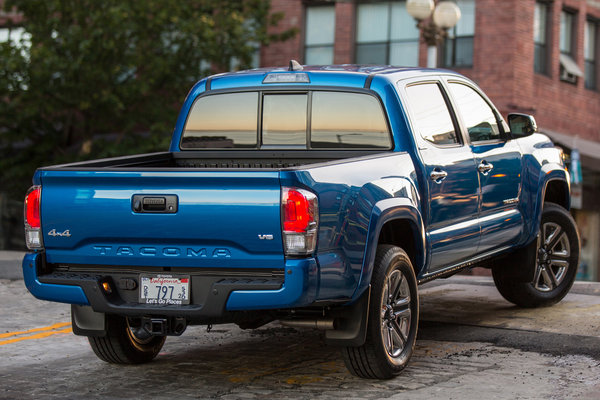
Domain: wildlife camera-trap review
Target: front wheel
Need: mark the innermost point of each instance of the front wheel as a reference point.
(124, 344)
(555, 267)
(393, 317)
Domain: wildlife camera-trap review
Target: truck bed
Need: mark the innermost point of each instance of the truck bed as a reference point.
(219, 159)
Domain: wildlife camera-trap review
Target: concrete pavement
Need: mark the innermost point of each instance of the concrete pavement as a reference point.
(472, 344)
(10, 264)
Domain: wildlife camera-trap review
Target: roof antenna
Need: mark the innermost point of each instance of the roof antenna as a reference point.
(295, 66)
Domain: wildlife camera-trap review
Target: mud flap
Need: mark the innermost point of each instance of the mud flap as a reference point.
(520, 264)
(87, 322)
(351, 322)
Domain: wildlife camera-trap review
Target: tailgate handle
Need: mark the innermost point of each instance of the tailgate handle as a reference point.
(166, 204)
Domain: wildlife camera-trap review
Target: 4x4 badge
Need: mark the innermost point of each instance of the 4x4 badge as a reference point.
(66, 233)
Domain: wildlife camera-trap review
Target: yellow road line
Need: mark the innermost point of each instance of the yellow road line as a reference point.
(46, 328)
(36, 336)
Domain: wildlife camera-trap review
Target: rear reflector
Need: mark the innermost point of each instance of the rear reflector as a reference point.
(300, 217)
(33, 223)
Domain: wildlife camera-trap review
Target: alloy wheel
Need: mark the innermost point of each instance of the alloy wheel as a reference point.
(553, 258)
(395, 315)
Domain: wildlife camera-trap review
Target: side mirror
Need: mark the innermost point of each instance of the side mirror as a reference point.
(521, 125)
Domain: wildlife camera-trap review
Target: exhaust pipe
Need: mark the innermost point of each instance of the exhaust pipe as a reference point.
(323, 324)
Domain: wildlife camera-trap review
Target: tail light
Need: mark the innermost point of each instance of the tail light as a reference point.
(300, 219)
(33, 222)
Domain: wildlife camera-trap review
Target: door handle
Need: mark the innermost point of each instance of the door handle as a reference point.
(437, 175)
(485, 167)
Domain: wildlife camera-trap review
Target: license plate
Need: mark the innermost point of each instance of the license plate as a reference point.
(164, 289)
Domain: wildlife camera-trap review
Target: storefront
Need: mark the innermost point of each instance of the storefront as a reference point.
(585, 198)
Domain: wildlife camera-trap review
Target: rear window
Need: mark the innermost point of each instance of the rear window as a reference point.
(349, 120)
(222, 121)
(284, 120)
(318, 120)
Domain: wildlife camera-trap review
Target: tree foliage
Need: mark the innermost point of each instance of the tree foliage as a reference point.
(104, 78)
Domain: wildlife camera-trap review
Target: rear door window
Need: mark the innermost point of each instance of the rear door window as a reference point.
(430, 112)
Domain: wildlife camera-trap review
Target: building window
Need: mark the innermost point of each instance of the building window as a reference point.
(589, 50)
(569, 70)
(567, 24)
(319, 35)
(458, 47)
(386, 34)
(540, 37)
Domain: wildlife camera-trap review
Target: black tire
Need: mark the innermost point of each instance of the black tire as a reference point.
(125, 345)
(393, 318)
(555, 266)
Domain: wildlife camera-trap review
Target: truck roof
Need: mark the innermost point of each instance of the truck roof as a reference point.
(343, 75)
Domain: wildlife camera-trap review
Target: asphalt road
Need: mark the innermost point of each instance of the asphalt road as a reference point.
(472, 345)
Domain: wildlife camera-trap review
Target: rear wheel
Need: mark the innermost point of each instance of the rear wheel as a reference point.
(124, 344)
(393, 318)
(555, 265)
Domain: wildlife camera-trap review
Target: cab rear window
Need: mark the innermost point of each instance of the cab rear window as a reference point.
(222, 121)
(304, 120)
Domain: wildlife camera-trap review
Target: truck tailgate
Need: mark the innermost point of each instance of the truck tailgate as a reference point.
(222, 219)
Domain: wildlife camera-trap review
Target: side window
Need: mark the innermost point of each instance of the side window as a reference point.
(348, 120)
(209, 124)
(431, 115)
(476, 113)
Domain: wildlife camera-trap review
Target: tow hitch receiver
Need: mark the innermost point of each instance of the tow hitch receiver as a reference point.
(157, 326)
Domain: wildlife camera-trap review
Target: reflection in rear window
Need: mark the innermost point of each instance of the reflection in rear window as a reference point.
(222, 121)
(348, 120)
(284, 120)
(336, 120)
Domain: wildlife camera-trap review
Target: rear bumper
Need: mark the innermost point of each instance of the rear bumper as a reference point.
(212, 296)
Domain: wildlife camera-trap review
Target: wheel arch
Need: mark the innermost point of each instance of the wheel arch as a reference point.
(395, 221)
(557, 191)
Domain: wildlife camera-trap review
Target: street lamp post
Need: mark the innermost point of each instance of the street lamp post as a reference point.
(434, 21)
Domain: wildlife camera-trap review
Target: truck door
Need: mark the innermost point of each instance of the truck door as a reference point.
(498, 163)
(452, 187)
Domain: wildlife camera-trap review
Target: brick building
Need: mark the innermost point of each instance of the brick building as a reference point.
(534, 56)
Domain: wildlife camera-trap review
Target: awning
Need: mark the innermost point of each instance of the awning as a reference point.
(570, 65)
(588, 149)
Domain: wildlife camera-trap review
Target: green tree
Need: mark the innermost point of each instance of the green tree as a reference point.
(112, 69)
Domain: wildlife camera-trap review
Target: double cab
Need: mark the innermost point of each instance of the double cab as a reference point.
(317, 196)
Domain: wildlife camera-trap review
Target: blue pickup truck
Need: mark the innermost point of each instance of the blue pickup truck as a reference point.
(317, 196)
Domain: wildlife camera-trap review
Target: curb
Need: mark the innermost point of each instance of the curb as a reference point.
(579, 287)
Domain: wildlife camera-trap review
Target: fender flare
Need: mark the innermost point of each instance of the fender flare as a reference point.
(384, 211)
(549, 174)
